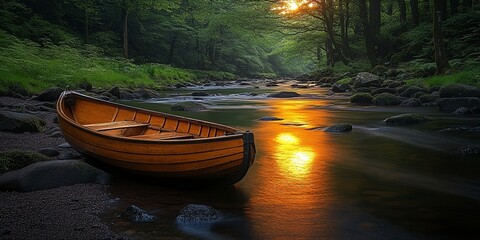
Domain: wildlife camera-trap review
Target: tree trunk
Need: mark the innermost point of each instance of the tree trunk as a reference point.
(467, 4)
(444, 9)
(86, 26)
(369, 42)
(173, 43)
(403, 12)
(375, 18)
(440, 55)
(343, 12)
(414, 10)
(125, 33)
(453, 7)
(426, 9)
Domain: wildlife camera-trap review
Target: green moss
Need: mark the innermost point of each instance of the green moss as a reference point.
(15, 159)
(386, 99)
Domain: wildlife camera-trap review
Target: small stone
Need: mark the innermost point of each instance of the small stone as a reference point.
(405, 119)
(65, 145)
(56, 134)
(135, 214)
(341, 127)
(284, 95)
(198, 214)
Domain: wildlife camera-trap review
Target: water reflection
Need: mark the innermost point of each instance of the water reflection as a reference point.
(295, 160)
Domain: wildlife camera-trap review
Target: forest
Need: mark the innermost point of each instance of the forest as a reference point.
(156, 43)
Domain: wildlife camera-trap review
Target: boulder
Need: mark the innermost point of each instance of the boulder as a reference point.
(363, 90)
(52, 174)
(114, 91)
(411, 91)
(452, 104)
(428, 98)
(14, 159)
(361, 98)
(411, 102)
(20, 122)
(270, 118)
(49, 152)
(395, 84)
(339, 88)
(365, 79)
(386, 99)
(135, 214)
(198, 214)
(284, 95)
(405, 119)
(49, 95)
(188, 106)
(383, 90)
(341, 127)
(145, 93)
(459, 90)
(124, 95)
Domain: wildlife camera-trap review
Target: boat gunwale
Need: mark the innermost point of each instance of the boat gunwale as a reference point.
(237, 133)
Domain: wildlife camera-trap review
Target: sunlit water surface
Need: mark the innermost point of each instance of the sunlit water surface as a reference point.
(376, 182)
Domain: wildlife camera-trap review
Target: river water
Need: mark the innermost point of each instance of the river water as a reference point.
(376, 182)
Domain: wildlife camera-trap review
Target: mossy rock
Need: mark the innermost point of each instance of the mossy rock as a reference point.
(383, 90)
(15, 159)
(188, 106)
(428, 98)
(411, 91)
(361, 98)
(363, 90)
(20, 122)
(340, 127)
(386, 99)
(459, 90)
(406, 119)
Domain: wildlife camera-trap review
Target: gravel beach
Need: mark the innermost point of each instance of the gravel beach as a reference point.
(69, 212)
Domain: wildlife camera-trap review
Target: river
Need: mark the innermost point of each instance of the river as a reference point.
(375, 182)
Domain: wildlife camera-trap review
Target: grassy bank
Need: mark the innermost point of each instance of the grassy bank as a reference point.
(28, 67)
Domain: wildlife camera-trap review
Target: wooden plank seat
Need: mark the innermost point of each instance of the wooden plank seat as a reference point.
(115, 125)
(164, 136)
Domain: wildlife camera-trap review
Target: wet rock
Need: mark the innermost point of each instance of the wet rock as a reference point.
(406, 119)
(124, 95)
(469, 151)
(383, 90)
(20, 122)
(284, 95)
(402, 89)
(199, 94)
(428, 98)
(361, 98)
(459, 90)
(365, 79)
(452, 104)
(411, 91)
(181, 85)
(462, 111)
(341, 127)
(49, 152)
(411, 102)
(114, 91)
(325, 85)
(188, 106)
(395, 84)
(363, 89)
(49, 95)
(270, 118)
(386, 99)
(270, 84)
(145, 93)
(52, 174)
(339, 88)
(197, 214)
(135, 214)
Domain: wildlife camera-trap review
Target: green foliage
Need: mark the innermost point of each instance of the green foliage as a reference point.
(15, 159)
(468, 77)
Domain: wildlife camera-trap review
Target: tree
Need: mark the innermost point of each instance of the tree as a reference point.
(369, 36)
(403, 12)
(414, 11)
(89, 7)
(441, 59)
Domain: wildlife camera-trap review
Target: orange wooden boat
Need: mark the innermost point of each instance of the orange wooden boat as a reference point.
(153, 143)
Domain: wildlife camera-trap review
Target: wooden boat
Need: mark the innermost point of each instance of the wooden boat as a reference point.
(153, 143)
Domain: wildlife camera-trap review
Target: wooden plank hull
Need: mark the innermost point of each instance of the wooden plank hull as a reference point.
(135, 139)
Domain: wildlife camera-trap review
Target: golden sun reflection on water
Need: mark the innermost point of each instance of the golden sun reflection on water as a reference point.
(295, 160)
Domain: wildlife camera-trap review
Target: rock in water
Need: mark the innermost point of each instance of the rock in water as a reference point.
(405, 119)
(188, 106)
(469, 151)
(365, 79)
(452, 104)
(341, 127)
(135, 214)
(270, 118)
(52, 174)
(198, 214)
(284, 95)
(20, 122)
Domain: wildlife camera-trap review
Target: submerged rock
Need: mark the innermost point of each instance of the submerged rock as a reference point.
(341, 127)
(284, 95)
(52, 174)
(270, 118)
(135, 214)
(20, 122)
(197, 214)
(188, 106)
(405, 119)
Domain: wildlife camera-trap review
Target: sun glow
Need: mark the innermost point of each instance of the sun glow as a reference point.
(292, 6)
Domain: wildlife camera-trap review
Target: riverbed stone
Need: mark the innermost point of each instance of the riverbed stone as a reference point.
(340, 127)
(51, 174)
(386, 99)
(49, 95)
(452, 104)
(361, 98)
(284, 95)
(270, 118)
(188, 107)
(411, 102)
(20, 122)
(366, 79)
(135, 214)
(406, 119)
(198, 214)
(459, 90)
